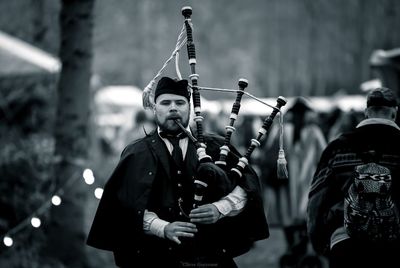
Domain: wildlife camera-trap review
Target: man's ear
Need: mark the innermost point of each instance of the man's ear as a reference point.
(366, 113)
(394, 114)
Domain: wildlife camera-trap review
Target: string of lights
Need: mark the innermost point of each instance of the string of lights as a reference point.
(34, 219)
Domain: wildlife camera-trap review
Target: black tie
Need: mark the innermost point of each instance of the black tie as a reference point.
(177, 154)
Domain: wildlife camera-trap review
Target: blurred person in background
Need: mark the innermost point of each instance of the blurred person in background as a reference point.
(303, 142)
(352, 214)
(143, 124)
(346, 121)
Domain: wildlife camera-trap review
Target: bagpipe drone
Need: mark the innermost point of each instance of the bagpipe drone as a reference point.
(208, 167)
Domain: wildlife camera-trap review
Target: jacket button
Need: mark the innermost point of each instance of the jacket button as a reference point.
(180, 214)
(179, 172)
(179, 185)
(223, 250)
(153, 141)
(150, 173)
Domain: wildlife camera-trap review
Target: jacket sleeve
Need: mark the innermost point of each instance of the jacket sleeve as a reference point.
(111, 221)
(325, 204)
(118, 222)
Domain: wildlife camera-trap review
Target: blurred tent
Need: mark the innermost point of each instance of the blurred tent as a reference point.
(125, 96)
(129, 96)
(319, 103)
(28, 77)
(18, 56)
(25, 66)
(370, 84)
(385, 67)
(211, 106)
(116, 105)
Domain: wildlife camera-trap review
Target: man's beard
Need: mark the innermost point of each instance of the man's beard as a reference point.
(169, 126)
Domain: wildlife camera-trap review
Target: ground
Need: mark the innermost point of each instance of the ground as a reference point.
(266, 253)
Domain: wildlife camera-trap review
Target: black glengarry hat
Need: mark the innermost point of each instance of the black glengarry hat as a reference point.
(168, 85)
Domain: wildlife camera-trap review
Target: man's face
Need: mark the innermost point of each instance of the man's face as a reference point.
(169, 107)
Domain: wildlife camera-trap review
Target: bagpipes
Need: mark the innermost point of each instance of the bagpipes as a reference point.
(208, 169)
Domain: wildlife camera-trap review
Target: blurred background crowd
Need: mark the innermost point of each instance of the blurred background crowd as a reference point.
(71, 78)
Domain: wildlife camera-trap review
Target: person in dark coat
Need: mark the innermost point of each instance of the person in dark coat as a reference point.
(354, 169)
(146, 214)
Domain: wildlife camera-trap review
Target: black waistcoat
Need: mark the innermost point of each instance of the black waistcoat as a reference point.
(171, 198)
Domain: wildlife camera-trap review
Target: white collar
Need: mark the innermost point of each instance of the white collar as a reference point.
(382, 121)
(159, 130)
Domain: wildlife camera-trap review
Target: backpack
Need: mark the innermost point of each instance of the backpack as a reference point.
(369, 211)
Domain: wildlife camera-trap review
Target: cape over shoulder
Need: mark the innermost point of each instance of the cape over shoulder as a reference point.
(138, 145)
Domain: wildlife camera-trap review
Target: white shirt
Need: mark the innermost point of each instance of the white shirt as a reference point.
(228, 206)
(371, 121)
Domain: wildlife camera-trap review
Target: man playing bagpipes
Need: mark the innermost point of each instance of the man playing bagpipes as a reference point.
(178, 197)
(150, 212)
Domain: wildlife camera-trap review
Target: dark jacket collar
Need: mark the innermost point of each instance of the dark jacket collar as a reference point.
(160, 150)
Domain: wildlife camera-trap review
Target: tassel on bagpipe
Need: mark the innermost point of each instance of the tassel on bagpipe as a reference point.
(237, 172)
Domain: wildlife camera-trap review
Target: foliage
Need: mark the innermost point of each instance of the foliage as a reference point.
(25, 104)
(26, 167)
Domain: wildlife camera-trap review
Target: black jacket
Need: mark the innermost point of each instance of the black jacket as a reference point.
(334, 175)
(118, 223)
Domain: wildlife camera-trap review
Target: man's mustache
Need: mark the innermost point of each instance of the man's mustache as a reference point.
(174, 117)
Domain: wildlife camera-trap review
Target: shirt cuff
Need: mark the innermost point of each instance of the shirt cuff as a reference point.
(223, 206)
(153, 225)
(157, 227)
(233, 203)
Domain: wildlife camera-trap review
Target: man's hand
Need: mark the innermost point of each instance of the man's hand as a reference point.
(177, 229)
(205, 214)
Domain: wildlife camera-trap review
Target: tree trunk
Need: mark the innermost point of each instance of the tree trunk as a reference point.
(66, 237)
